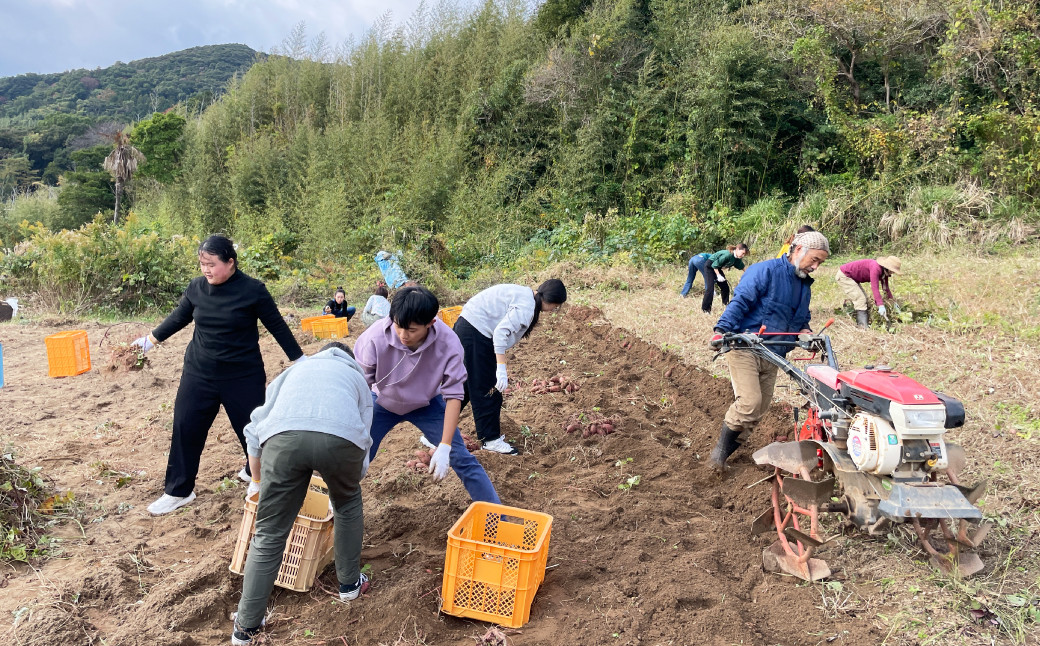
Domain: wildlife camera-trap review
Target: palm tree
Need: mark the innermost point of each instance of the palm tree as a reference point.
(122, 163)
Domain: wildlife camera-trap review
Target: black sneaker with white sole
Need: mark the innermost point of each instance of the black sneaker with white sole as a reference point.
(244, 636)
(351, 592)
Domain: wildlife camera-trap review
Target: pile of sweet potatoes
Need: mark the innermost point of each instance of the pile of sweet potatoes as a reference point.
(555, 384)
(590, 425)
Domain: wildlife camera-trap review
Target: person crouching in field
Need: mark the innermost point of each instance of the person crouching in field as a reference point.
(316, 417)
(489, 325)
(852, 275)
(775, 294)
(712, 267)
(413, 363)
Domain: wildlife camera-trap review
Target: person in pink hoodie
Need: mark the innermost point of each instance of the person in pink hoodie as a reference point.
(413, 363)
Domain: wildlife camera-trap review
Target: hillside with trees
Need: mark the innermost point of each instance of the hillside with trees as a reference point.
(626, 131)
(44, 118)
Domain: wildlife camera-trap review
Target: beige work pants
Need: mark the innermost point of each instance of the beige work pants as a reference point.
(753, 381)
(853, 291)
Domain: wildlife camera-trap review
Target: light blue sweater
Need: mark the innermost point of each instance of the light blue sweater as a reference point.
(327, 393)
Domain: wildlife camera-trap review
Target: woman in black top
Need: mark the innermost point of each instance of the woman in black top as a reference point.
(222, 364)
(338, 307)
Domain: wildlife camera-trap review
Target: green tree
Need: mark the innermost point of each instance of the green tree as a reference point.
(160, 139)
(85, 191)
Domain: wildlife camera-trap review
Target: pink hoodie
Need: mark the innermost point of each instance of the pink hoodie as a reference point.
(405, 380)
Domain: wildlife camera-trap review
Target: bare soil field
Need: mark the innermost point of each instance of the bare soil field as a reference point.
(667, 559)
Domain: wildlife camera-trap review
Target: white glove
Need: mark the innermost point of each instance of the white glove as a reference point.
(254, 487)
(720, 278)
(501, 380)
(882, 311)
(439, 461)
(144, 343)
(301, 359)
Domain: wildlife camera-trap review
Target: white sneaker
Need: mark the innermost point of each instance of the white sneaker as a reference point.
(425, 442)
(243, 476)
(499, 445)
(168, 503)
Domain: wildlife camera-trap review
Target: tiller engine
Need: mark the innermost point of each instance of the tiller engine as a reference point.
(871, 448)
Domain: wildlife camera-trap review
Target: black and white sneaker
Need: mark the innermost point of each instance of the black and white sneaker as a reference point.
(351, 592)
(244, 636)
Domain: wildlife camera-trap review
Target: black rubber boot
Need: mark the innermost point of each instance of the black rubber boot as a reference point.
(861, 319)
(729, 441)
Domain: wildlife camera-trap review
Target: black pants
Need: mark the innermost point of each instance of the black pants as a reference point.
(479, 359)
(198, 400)
(709, 288)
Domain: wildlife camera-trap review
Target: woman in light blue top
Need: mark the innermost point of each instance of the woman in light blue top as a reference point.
(377, 307)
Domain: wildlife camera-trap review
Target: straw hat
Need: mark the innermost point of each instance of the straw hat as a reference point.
(890, 263)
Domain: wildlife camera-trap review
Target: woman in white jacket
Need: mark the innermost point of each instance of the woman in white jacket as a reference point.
(490, 324)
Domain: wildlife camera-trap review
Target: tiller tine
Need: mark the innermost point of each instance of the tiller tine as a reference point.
(806, 492)
(776, 559)
(974, 540)
(972, 494)
(793, 534)
(959, 561)
(764, 523)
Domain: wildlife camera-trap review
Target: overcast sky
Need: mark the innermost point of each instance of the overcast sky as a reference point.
(46, 36)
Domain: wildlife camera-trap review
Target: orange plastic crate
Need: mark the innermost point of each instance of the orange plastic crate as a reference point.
(309, 548)
(334, 328)
(306, 323)
(450, 314)
(68, 353)
(494, 563)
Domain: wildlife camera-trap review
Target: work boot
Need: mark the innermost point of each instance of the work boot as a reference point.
(729, 441)
(861, 319)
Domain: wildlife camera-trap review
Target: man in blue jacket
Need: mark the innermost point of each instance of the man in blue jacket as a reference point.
(774, 293)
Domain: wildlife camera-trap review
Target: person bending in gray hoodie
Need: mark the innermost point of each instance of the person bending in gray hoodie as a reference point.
(317, 416)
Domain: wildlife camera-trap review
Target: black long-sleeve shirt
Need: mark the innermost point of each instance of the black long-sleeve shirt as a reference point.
(339, 310)
(226, 343)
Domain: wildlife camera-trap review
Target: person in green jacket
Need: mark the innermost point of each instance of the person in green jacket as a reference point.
(711, 267)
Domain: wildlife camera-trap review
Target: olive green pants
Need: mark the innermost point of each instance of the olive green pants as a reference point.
(753, 382)
(288, 461)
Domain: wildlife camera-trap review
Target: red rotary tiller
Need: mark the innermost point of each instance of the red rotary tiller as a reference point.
(871, 448)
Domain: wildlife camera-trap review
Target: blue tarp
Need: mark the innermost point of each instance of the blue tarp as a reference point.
(390, 266)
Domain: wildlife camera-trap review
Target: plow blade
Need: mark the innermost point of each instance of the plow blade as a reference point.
(807, 492)
(789, 456)
(776, 559)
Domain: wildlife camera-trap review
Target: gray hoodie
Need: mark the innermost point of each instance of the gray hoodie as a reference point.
(327, 393)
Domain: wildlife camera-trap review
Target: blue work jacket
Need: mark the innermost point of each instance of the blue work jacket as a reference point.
(770, 294)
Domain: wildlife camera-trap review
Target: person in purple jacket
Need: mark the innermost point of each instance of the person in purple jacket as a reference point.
(852, 275)
(413, 363)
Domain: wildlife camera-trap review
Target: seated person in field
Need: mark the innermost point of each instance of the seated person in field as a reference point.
(338, 305)
(316, 417)
(377, 306)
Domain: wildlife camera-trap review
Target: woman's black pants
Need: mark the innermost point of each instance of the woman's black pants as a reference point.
(479, 359)
(198, 401)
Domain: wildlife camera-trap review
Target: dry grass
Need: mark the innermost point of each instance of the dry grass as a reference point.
(980, 344)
